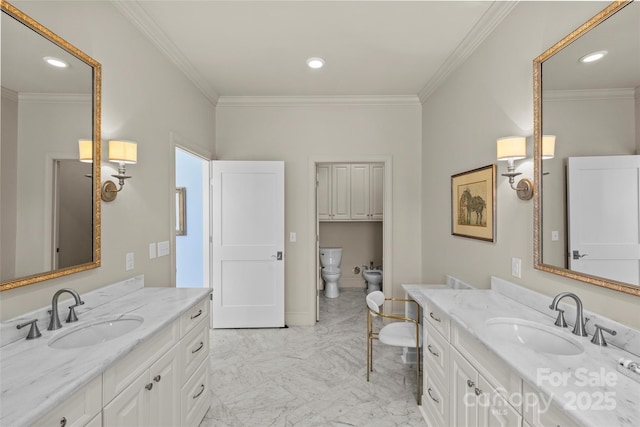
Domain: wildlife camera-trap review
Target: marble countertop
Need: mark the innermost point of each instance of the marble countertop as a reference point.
(591, 392)
(36, 378)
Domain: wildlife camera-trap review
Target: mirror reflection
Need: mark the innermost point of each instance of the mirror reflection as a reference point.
(590, 218)
(47, 203)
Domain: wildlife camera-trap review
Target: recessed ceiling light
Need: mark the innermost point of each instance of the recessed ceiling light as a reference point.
(593, 56)
(315, 63)
(56, 62)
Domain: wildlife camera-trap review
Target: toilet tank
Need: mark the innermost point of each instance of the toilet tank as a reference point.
(330, 257)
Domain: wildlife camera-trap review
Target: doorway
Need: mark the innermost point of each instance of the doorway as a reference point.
(377, 230)
(191, 219)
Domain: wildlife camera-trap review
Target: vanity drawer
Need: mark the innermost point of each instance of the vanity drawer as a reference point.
(436, 354)
(535, 413)
(435, 402)
(195, 396)
(79, 409)
(119, 376)
(190, 319)
(195, 348)
(437, 318)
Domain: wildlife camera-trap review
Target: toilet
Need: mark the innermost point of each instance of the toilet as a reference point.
(330, 259)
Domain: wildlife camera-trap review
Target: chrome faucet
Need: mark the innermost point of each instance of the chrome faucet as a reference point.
(579, 328)
(54, 323)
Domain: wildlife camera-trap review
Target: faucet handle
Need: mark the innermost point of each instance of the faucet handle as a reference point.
(598, 337)
(34, 332)
(560, 320)
(72, 317)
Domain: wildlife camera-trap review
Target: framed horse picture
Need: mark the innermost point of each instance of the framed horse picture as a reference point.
(473, 204)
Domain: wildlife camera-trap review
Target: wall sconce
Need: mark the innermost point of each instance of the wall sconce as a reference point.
(513, 148)
(85, 153)
(121, 152)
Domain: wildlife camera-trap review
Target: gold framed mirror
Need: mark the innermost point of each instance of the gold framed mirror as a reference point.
(50, 195)
(586, 211)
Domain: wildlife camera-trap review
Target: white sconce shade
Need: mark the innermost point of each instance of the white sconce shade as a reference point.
(123, 152)
(548, 146)
(512, 148)
(85, 150)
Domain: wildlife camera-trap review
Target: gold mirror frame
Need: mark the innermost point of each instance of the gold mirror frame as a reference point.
(537, 138)
(97, 148)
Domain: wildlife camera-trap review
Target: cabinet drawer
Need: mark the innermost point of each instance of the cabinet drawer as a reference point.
(190, 319)
(539, 413)
(436, 354)
(437, 318)
(79, 409)
(195, 348)
(497, 373)
(116, 378)
(196, 399)
(435, 401)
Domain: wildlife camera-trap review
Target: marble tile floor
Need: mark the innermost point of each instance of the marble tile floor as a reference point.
(310, 376)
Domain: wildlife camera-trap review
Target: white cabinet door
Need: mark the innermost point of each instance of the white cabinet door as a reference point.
(360, 192)
(323, 191)
(376, 198)
(166, 377)
(131, 407)
(340, 192)
(464, 381)
(494, 410)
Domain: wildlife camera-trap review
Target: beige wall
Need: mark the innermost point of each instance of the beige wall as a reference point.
(361, 243)
(304, 132)
(145, 97)
(488, 97)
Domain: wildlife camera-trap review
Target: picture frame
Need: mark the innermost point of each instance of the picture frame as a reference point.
(473, 204)
(181, 211)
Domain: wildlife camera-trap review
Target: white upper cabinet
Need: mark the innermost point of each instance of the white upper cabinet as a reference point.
(350, 192)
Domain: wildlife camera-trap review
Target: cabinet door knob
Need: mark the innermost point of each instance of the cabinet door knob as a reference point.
(435, 353)
(63, 422)
(149, 386)
(471, 383)
(478, 391)
(157, 378)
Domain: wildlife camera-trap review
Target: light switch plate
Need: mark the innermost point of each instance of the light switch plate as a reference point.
(163, 248)
(516, 267)
(129, 262)
(292, 236)
(152, 250)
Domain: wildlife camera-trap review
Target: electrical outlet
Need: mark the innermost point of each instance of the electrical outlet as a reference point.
(554, 236)
(129, 262)
(516, 267)
(152, 250)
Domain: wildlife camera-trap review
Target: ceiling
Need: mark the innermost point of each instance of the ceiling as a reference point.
(259, 48)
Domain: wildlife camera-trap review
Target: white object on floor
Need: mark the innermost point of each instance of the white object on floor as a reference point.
(373, 277)
(330, 259)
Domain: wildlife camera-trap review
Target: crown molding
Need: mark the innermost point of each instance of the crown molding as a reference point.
(133, 11)
(281, 101)
(588, 94)
(485, 26)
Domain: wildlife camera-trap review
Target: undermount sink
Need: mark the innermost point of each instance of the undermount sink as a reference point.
(533, 335)
(96, 332)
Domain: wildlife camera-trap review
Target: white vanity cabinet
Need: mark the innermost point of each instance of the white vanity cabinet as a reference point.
(154, 385)
(81, 409)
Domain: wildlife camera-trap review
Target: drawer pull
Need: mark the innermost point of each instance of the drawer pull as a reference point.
(471, 383)
(431, 396)
(63, 422)
(478, 391)
(198, 349)
(434, 317)
(195, 396)
(149, 386)
(435, 353)
(157, 378)
(196, 315)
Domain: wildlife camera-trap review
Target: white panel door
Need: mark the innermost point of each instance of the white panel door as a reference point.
(247, 244)
(604, 216)
(340, 192)
(360, 191)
